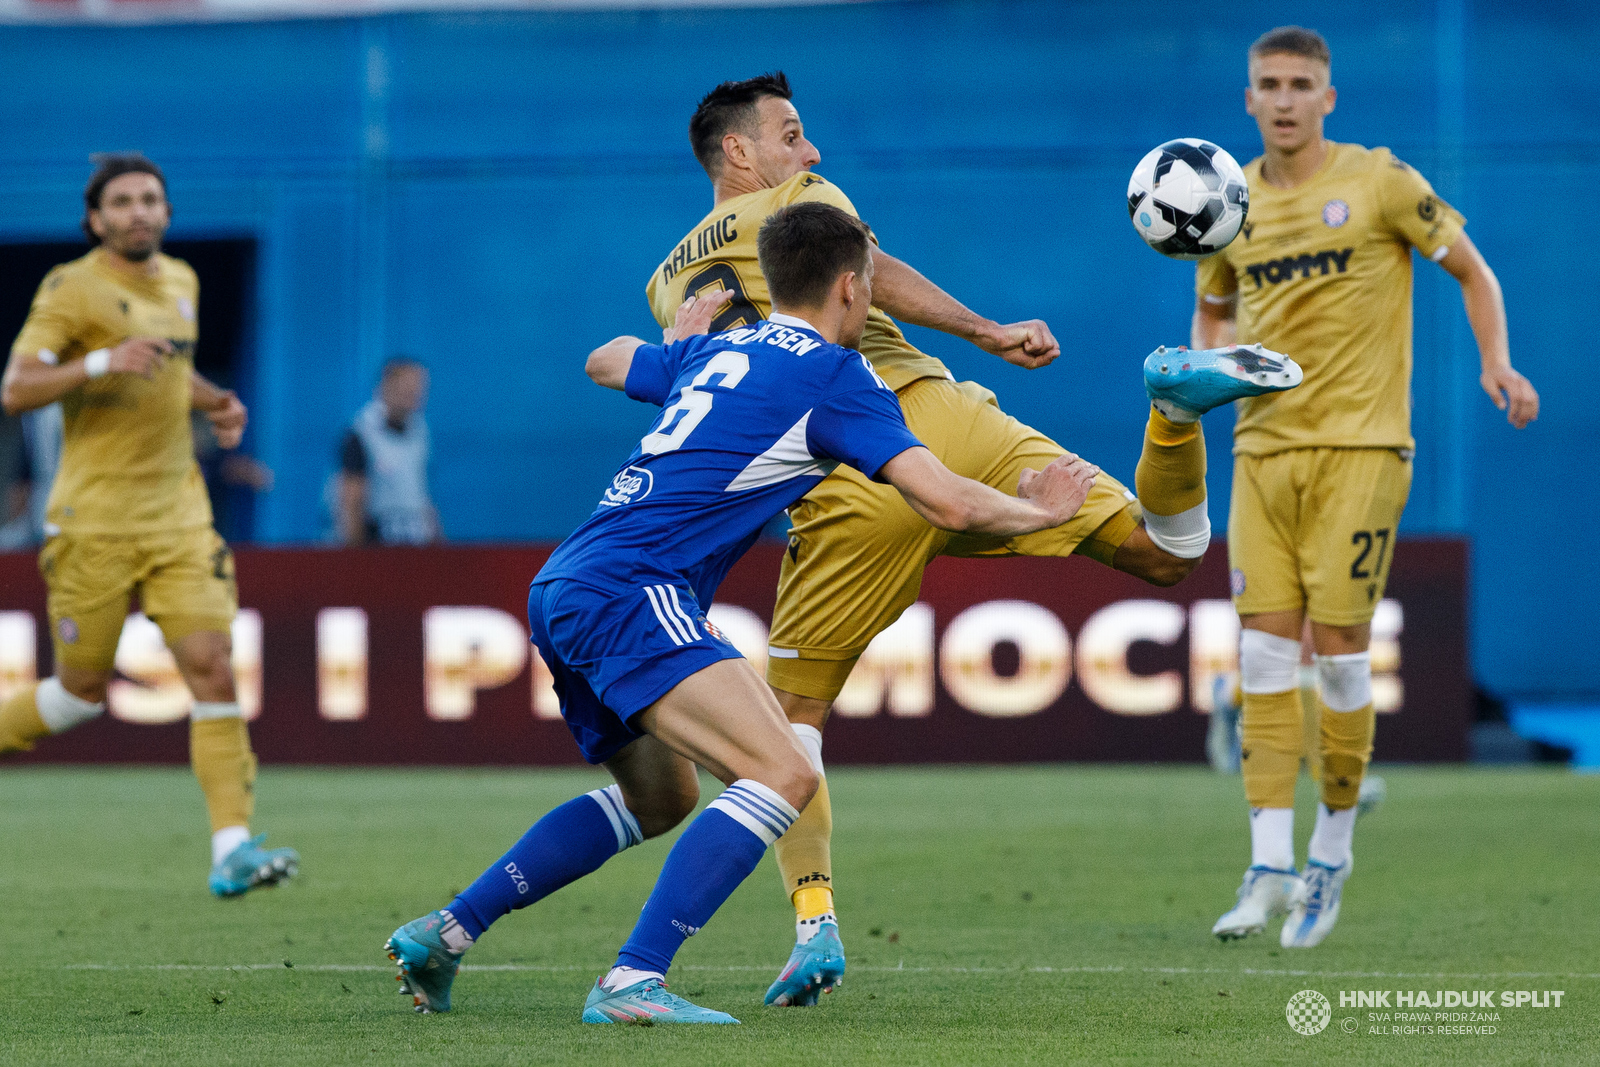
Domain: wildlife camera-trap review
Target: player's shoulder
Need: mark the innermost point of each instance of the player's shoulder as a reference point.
(177, 269)
(64, 277)
(1376, 163)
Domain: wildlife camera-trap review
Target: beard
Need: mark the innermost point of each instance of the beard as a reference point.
(136, 248)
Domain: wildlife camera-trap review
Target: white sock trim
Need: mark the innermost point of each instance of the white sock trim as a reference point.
(1333, 835)
(810, 740)
(1268, 663)
(1346, 680)
(214, 709)
(59, 710)
(1272, 838)
(623, 823)
(1185, 535)
(226, 840)
(757, 808)
(1176, 414)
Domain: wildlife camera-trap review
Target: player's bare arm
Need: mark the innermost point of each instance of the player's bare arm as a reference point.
(34, 379)
(223, 408)
(1044, 498)
(608, 365)
(1486, 311)
(905, 294)
(1215, 323)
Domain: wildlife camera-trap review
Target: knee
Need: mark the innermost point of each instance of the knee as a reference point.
(797, 782)
(1162, 569)
(85, 685)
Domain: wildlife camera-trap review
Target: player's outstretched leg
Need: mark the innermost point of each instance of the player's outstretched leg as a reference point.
(804, 861)
(573, 840)
(1185, 384)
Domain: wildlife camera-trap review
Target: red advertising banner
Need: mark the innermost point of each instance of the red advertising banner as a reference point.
(421, 656)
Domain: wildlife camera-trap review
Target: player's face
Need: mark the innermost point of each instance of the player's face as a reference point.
(132, 217)
(1288, 96)
(781, 151)
(404, 390)
(855, 320)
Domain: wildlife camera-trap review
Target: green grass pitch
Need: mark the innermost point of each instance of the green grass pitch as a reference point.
(991, 916)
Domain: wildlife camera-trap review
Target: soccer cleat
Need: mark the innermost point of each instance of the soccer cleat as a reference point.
(814, 967)
(1372, 793)
(1223, 749)
(1265, 893)
(1210, 377)
(250, 865)
(428, 964)
(1315, 907)
(645, 1004)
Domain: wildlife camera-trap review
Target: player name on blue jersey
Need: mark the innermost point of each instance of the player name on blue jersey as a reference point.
(751, 419)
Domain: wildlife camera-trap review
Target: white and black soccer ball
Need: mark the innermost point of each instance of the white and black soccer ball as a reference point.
(1188, 198)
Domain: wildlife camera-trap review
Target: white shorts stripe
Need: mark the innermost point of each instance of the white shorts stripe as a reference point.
(661, 616)
(669, 598)
(694, 635)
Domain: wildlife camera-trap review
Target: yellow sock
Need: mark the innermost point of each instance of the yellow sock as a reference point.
(804, 858)
(1269, 727)
(1346, 749)
(1311, 735)
(20, 725)
(1171, 476)
(219, 750)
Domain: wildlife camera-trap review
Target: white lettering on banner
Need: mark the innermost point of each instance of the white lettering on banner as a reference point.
(966, 658)
(152, 692)
(1388, 692)
(546, 705)
(896, 668)
(19, 643)
(1213, 648)
(342, 664)
(744, 630)
(1103, 645)
(465, 649)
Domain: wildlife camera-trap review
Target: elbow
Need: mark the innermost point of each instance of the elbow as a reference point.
(955, 516)
(594, 366)
(9, 398)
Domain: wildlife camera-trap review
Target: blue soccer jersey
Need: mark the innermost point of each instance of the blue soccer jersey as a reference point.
(751, 420)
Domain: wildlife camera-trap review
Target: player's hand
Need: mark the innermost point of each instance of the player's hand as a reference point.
(1026, 344)
(139, 355)
(1061, 488)
(695, 314)
(1513, 394)
(228, 420)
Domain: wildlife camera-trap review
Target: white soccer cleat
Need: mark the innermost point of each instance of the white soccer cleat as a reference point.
(1315, 907)
(1265, 893)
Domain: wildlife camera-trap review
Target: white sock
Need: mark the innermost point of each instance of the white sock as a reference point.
(59, 710)
(1330, 840)
(1272, 838)
(1181, 416)
(806, 929)
(810, 740)
(618, 977)
(226, 840)
(201, 710)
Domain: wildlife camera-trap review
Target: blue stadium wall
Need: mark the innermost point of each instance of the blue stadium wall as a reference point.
(491, 191)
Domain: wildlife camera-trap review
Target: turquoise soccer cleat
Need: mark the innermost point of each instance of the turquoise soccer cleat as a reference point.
(428, 962)
(250, 865)
(814, 967)
(1210, 377)
(645, 1004)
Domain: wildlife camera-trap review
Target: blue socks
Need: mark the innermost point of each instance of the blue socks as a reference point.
(705, 866)
(568, 843)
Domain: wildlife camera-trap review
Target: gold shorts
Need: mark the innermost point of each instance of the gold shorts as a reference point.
(183, 578)
(857, 550)
(1313, 529)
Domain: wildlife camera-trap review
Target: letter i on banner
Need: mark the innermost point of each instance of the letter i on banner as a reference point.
(342, 664)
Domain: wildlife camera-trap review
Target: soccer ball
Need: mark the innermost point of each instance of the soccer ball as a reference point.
(1188, 198)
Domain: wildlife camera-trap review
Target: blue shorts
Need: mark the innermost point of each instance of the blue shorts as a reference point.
(614, 654)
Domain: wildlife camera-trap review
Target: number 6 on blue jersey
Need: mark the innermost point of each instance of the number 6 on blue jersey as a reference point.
(679, 421)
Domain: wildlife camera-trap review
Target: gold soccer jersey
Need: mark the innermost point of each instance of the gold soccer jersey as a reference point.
(1322, 273)
(720, 252)
(127, 461)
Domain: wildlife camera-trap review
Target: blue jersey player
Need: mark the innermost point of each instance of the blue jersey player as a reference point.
(752, 419)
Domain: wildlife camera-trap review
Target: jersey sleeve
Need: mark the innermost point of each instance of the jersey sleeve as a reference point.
(1413, 211)
(860, 421)
(53, 320)
(655, 368)
(1214, 279)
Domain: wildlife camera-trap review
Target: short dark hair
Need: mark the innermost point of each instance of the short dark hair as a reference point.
(731, 107)
(1293, 41)
(395, 364)
(107, 167)
(804, 248)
